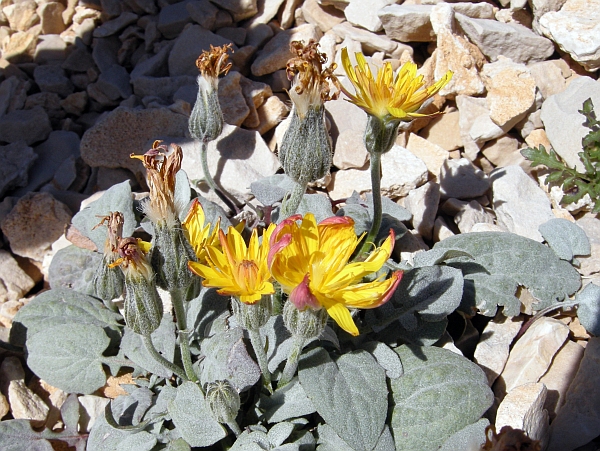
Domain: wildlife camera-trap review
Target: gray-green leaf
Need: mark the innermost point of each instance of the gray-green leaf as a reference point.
(439, 394)
(350, 394)
(565, 238)
(270, 190)
(588, 311)
(69, 357)
(191, 416)
(287, 402)
(470, 438)
(73, 268)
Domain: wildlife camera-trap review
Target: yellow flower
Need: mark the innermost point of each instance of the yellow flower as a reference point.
(311, 262)
(236, 269)
(198, 233)
(383, 95)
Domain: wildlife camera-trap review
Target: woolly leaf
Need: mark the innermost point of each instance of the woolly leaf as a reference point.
(73, 268)
(588, 311)
(470, 438)
(565, 238)
(270, 190)
(287, 402)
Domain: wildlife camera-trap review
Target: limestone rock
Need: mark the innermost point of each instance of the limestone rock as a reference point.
(519, 203)
(14, 282)
(461, 180)
(93, 407)
(173, 18)
(576, 30)
(511, 91)
(441, 231)
(493, 348)
(407, 23)
(348, 127)
(124, 131)
(13, 93)
(363, 13)
(30, 126)
(267, 10)
(472, 214)
(276, 52)
(591, 227)
(548, 78)
(432, 155)
(444, 131)
(523, 408)
(204, 13)
(239, 9)
(51, 17)
(563, 122)
(17, 158)
(578, 421)
(231, 98)
(20, 47)
(270, 114)
(21, 15)
(504, 151)
(455, 53)
(369, 41)
(323, 17)
(401, 172)
(512, 41)
(532, 355)
(422, 202)
(114, 26)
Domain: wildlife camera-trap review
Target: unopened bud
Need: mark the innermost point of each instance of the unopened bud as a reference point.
(308, 323)
(108, 282)
(206, 120)
(223, 400)
(143, 309)
(171, 252)
(253, 316)
(305, 153)
(380, 134)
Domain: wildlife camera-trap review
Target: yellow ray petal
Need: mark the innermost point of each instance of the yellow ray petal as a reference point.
(341, 315)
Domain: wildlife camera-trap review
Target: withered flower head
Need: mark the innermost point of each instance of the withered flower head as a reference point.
(310, 82)
(213, 63)
(114, 223)
(134, 258)
(162, 165)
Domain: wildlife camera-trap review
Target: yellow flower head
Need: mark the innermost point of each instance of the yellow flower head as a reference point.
(384, 96)
(311, 262)
(236, 269)
(198, 233)
(134, 258)
(162, 165)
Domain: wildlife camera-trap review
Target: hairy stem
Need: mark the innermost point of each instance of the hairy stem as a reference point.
(291, 365)
(160, 359)
(211, 182)
(177, 298)
(261, 356)
(234, 428)
(290, 204)
(377, 209)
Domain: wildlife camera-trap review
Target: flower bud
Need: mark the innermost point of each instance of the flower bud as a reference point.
(223, 400)
(252, 316)
(380, 134)
(108, 282)
(305, 153)
(308, 323)
(171, 253)
(206, 120)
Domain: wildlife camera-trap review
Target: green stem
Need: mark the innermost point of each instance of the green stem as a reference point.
(291, 203)
(234, 427)
(160, 359)
(261, 356)
(177, 298)
(377, 209)
(291, 365)
(211, 182)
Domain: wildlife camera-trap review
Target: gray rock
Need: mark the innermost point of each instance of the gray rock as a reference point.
(232, 100)
(124, 131)
(432, 155)
(276, 52)
(52, 78)
(461, 180)
(519, 203)
(188, 46)
(548, 78)
(239, 9)
(79, 60)
(204, 13)
(576, 30)
(407, 23)
(162, 87)
(563, 122)
(173, 18)
(267, 10)
(22, 225)
(423, 203)
(258, 34)
(17, 158)
(155, 66)
(370, 42)
(511, 40)
(114, 82)
(471, 214)
(105, 51)
(143, 6)
(235, 34)
(363, 13)
(50, 48)
(59, 146)
(112, 27)
(578, 421)
(348, 124)
(93, 408)
(51, 18)
(30, 126)
(13, 92)
(590, 264)
(75, 103)
(14, 282)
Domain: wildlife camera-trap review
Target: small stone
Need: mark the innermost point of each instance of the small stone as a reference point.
(93, 408)
(235, 34)
(504, 151)
(408, 246)
(270, 114)
(407, 23)
(15, 282)
(532, 355)
(239, 9)
(471, 215)
(113, 84)
(576, 30)
(538, 138)
(369, 41)
(21, 15)
(155, 66)
(363, 13)
(173, 18)
(17, 158)
(51, 78)
(51, 18)
(29, 126)
(461, 180)
(578, 420)
(590, 264)
(124, 131)
(188, 46)
(563, 122)
(276, 52)
(323, 17)
(22, 225)
(519, 203)
(532, 122)
(114, 26)
(431, 154)
(75, 103)
(267, 10)
(203, 12)
(560, 375)
(511, 91)
(512, 41)
(548, 78)
(232, 101)
(257, 35)
(4, 406)
(13, 93)
(255, 94)
(20, 47)
(523, 408)
(444, 131)
(348, 128)
(105, 52)
(423, 203)
(401, 172)
(79, 60)
(164, 88)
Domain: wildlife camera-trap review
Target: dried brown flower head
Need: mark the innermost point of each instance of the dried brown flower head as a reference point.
(214, 62)
(133, 258)
(162, 165)
(509, 439)
(114, 222)
(311, 83)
